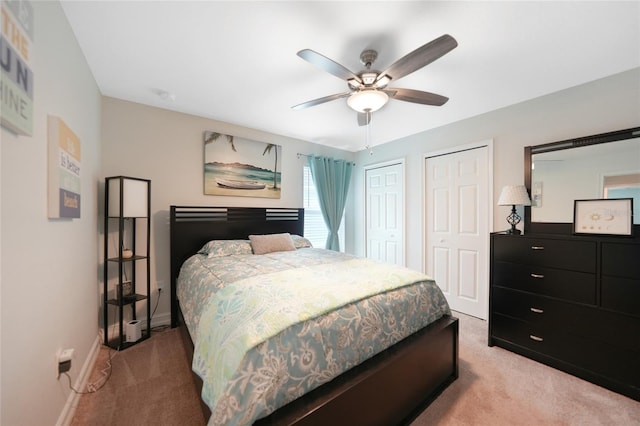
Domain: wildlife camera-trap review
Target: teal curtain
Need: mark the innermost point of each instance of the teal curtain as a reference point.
(331, 178)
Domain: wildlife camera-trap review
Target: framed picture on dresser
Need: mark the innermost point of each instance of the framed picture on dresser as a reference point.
(603, 216)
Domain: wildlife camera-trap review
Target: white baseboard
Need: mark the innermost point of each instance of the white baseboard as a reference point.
(66, 416)
(160, 320)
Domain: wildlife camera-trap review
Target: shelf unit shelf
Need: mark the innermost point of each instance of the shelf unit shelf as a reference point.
(126, 259)
(127, 299)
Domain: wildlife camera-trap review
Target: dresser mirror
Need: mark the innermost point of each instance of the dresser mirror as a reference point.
(592, 167)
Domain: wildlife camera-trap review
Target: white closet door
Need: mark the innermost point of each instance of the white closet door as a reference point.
(385, 213)
(457, 226)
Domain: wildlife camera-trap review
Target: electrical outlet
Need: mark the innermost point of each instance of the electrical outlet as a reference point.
(64, 360)
(160, 285)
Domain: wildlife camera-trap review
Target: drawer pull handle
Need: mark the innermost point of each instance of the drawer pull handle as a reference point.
(536, 310)
(537, 247)
(537, 276)
(536, 338)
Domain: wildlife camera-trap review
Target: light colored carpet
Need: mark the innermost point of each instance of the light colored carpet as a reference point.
(151, 385)
(498, 387)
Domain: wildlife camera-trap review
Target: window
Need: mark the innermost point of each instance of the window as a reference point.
(314, 228)
(624, 186)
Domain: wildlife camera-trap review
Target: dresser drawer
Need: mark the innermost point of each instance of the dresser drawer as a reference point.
(597, 357)
(568, 285)
(621, 260)
(611, 329)
(615, 329)
(541, 311)
(561, 254)
(621, 295)
(621, 278)
(546, 340)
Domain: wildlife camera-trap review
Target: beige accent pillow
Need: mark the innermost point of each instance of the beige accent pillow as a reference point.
(263, 244)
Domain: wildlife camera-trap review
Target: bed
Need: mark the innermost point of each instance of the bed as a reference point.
(373, 379)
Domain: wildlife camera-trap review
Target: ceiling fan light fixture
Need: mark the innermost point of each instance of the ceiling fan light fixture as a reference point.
(369, 77)
(383, 80)
(354, 84)
(367, 100)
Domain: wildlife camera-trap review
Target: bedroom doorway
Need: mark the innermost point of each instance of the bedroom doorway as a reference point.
(457, 211)
(384, 198)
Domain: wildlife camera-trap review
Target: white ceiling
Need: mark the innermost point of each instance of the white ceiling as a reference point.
(236, 61)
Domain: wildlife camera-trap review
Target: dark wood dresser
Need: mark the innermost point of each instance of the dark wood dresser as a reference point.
(571, 302)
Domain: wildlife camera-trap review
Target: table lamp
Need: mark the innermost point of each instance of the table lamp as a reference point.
(514, 195)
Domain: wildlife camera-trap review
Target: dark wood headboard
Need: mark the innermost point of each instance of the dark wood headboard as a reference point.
(192, 227)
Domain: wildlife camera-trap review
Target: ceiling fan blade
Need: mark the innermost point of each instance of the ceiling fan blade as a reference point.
(417, 96)
(321, 100)
(327, 65)
(364, 118)
(420, 57)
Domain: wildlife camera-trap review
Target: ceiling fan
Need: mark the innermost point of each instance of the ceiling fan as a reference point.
(368, 90)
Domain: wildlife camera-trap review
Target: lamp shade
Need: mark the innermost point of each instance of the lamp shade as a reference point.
(367, 99)
(514, 195)
(134, 197)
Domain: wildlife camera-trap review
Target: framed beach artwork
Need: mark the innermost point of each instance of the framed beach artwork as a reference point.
(241, 167)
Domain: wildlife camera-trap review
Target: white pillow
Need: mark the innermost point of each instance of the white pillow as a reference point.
(263, 244)
(300, 242)
(219, 248)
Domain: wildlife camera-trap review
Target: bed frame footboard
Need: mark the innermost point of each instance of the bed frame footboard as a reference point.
(392, 388)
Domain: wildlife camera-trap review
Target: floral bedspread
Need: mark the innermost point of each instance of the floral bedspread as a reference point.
(270, 328)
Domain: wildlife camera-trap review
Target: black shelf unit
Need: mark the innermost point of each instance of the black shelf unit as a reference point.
(127, 214)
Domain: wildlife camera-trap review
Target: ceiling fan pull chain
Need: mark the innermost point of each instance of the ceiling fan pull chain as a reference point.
(367, 132)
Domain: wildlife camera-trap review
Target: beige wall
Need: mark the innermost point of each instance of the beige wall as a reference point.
(167, 147)
(49, 276)
(604, 105)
